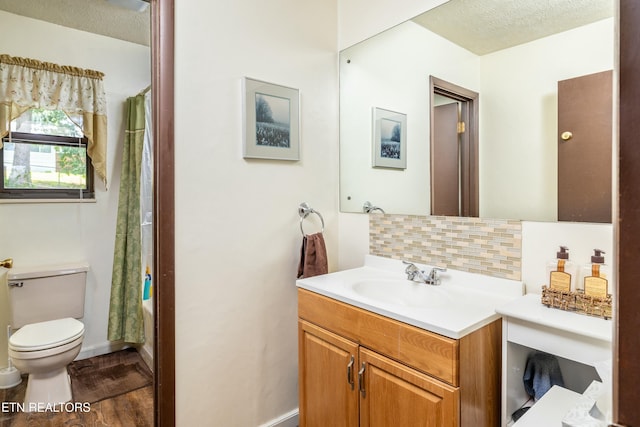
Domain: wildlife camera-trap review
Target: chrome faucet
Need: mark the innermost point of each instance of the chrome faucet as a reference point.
(417, 275)
(414, 273)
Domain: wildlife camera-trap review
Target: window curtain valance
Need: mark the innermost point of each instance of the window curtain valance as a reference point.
(29, 83)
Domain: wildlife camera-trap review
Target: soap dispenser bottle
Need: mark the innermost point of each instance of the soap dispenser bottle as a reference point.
(596, 275)
(562, 273)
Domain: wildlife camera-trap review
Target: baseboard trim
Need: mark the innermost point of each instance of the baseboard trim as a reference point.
(100, 349)
(290, 419)
(146, 355)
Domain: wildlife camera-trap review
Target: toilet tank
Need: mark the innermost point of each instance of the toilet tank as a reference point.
(37, 294)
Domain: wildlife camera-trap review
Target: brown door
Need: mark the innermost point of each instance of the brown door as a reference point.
(445, 172)
(584, 148)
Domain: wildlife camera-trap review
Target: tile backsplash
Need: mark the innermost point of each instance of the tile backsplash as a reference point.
(485, 246)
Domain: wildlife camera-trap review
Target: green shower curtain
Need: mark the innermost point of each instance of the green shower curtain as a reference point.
(125, 309)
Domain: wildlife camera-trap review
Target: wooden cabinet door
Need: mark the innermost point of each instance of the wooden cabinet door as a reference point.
(327, 366)
(395, 395)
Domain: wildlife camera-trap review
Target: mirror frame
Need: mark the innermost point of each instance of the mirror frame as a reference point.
(162, 90)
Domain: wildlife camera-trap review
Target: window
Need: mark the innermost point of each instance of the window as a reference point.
(45, 157)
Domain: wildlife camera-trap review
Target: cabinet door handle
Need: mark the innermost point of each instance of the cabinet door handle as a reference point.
(350, 372)
(361, 380)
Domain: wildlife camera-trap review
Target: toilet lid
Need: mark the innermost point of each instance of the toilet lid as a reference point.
(43, 335)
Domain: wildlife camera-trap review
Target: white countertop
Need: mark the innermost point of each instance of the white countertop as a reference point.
(529, 308)
(468, 301)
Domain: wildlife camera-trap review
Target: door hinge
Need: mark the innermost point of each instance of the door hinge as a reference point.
(461, 127)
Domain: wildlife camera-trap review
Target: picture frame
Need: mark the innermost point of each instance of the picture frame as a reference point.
(389, 139)
(271, 121)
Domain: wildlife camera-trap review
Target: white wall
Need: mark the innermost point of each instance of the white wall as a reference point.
(42, 233)
(237, 226)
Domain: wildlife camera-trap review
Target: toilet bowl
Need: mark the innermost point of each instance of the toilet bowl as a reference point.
(45, 304)
(43, 350)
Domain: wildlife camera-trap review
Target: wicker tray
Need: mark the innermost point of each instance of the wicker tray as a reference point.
(577, 302)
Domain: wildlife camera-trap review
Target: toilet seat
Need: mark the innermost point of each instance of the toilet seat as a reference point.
(46, 335)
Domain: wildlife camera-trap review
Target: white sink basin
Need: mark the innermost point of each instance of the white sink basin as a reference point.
(401, 292)
(463, 302)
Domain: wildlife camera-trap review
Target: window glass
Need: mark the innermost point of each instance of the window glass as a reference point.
(48, 122)
(45, 156)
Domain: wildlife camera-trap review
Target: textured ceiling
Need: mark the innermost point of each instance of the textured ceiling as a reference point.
(485, 26)
(95, 16)
(481, 26)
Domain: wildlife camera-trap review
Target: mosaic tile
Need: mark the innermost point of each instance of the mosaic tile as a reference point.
(490, 247)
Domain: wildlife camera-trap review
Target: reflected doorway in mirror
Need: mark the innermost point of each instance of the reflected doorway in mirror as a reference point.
(454, 144)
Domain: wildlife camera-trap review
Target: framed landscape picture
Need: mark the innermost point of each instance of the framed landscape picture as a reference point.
(271, 121)
(389, 139)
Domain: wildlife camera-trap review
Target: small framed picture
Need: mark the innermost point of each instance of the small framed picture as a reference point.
(389, 139)
(271, 123)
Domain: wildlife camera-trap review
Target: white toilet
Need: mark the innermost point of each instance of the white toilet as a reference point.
(44, 305)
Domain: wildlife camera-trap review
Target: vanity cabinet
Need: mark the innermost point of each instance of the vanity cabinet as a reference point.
(358, 368)
(344, 384)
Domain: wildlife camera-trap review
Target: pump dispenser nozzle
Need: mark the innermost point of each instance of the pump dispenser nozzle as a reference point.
(563, 254)
(597, 257)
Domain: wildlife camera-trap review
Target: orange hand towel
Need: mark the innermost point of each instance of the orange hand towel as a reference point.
(313, 256)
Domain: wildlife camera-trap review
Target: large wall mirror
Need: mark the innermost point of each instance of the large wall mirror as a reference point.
(513, 54)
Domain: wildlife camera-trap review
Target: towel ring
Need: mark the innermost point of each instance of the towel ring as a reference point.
(304, 210)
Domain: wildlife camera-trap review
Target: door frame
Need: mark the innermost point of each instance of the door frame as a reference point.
(162, 91)
(626, 370)
(470, 115)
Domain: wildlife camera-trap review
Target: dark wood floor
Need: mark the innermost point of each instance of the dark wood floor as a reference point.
(133, 409)
(130, 409)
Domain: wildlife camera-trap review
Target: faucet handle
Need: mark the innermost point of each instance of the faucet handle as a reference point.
(434, 278)
(411, 271)
(411, 267)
